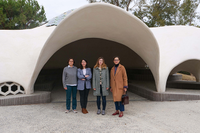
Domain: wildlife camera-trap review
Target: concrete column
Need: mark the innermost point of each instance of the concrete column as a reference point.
(161, 82)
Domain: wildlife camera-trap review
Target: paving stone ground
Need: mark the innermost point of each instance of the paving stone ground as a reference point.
(139, 117)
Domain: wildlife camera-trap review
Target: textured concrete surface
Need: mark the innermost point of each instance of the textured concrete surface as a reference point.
(147, 89)
(139, 117)
(20, 99)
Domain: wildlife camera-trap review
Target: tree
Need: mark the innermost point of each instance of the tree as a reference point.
(125, 4)
(156, 13)
(141, 11)
(20, 14)
(172, 12)
(187, 12)
(162, 12)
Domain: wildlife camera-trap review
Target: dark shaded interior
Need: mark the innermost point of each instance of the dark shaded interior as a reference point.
(90, 49)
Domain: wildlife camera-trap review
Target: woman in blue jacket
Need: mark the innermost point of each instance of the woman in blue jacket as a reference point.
(84, 84)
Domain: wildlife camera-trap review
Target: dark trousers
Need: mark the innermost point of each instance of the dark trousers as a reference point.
(99, 100)
(119, 106)
(71, 90)
(84, 97)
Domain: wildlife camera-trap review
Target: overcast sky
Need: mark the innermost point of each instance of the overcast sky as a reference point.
(54, 8)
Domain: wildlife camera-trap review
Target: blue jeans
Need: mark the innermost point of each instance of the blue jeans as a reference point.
(71, 90)
(119, 106)
(103, 102)
(99, 100)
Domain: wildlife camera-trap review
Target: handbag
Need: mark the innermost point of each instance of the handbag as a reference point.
(125, 99)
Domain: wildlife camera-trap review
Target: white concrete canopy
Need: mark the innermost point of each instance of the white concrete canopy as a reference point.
(24, 52)
(177, 44)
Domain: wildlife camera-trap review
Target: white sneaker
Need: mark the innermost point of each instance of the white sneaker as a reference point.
(75, 111)
(67, 111)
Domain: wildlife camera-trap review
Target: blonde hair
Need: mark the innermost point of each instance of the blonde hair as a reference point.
(103, 65)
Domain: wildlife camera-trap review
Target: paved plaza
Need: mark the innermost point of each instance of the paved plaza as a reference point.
(141, 116)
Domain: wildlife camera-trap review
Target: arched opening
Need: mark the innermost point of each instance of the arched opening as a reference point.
(103, 21)
(184, 76)
(50, 77)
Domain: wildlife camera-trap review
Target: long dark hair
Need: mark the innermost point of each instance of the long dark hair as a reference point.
(81, 64)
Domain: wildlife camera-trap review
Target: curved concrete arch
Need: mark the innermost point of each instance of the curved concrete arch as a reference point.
(192, 66)
(177, 44)
(102, 21)
(20, 50)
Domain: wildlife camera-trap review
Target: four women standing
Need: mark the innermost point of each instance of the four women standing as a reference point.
(118, 84)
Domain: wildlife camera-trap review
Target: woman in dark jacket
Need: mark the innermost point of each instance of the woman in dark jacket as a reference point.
(100, 83)
(84, 75)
